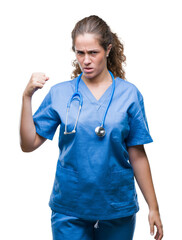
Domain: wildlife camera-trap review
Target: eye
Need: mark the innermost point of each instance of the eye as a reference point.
(79, 53)
(93, 52)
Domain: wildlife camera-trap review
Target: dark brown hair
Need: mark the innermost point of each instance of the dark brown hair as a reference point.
(95, 25)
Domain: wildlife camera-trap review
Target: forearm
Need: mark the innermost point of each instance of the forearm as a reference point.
(143, 177)
(27, 127)
(29, 139)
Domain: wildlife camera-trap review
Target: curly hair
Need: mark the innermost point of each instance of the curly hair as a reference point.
(95, 25)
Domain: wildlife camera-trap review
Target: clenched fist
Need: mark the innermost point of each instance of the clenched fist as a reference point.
(36, 82)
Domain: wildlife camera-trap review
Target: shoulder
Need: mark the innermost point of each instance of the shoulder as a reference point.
(130, 89)
(63, 88)
(63, 85)
(61, 91)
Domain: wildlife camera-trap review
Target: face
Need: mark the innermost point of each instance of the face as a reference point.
(92, 57)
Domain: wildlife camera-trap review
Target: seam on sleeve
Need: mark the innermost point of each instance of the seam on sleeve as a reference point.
(52, 109)
(141, 105)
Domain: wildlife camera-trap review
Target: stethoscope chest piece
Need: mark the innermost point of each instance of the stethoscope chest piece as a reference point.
(100, 131)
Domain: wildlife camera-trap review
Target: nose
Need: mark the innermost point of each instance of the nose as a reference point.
(87, 59)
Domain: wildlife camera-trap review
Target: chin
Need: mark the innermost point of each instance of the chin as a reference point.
(89, 75)
(92, 74)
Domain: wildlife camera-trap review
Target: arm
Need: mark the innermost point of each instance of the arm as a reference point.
(29, 139)
(141, 167)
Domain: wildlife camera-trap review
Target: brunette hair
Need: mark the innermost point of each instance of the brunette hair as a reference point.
(94, 24)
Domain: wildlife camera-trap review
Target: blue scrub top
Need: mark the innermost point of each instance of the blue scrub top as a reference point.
(94, 179)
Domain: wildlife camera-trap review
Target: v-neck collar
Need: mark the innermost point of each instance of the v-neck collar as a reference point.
(91, 97)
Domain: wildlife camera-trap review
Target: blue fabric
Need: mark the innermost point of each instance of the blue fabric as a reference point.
(69, 227)
(94, 179)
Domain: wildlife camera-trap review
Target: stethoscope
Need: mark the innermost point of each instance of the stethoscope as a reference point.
(100, 131)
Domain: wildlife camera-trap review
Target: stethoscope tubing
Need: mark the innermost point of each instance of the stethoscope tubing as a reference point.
(77, 93)
(113, 89)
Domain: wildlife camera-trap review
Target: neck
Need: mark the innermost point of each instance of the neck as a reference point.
(103, 77)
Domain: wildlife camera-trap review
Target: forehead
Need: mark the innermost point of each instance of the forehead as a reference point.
(87, 41)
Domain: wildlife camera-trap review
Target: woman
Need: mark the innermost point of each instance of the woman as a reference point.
(103, 127)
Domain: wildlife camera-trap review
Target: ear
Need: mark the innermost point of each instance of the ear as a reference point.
(108, 49)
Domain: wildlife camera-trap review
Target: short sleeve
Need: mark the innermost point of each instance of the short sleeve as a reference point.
(139, 131)
(46, 119)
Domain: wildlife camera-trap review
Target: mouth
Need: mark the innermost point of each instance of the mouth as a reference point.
(88, 70)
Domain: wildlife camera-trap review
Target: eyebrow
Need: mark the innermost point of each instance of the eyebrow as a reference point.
(91, 50)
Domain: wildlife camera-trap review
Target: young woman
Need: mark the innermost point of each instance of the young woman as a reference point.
(103, 128)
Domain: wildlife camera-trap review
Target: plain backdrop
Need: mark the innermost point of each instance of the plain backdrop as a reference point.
(36, 37)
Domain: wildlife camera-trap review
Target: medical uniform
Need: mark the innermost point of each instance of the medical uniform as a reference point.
(94, 179)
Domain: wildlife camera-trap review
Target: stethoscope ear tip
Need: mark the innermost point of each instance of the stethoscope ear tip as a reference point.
(73, 131)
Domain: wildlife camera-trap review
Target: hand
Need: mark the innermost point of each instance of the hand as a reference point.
(154, 219)
(36, 82)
